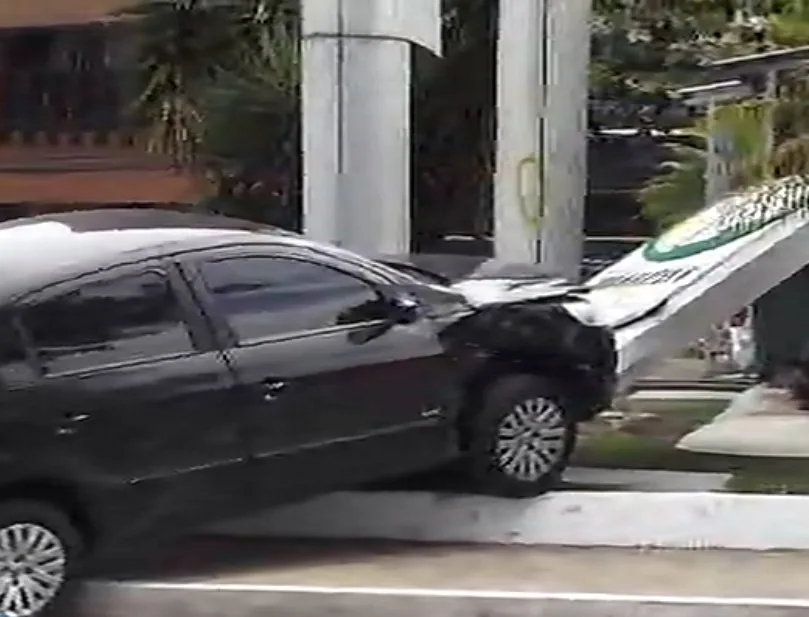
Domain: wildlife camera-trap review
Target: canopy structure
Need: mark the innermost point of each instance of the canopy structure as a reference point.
(700, 272)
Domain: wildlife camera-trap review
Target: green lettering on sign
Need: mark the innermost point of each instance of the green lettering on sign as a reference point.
(723, 223)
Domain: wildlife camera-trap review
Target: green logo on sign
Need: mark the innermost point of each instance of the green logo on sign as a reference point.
(721, 224)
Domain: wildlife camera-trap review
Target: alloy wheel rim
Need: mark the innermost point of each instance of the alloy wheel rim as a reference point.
(32, 569)
(531, 439)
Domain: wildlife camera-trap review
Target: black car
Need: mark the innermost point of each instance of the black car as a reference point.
(160, 370)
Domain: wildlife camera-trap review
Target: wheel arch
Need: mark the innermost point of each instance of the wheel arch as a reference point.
(477, 380)
(63, 495)
(538, 339)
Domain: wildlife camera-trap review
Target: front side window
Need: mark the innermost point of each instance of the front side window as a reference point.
(263, 297)
(131, 318)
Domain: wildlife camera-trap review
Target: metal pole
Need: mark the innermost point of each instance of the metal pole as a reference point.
(770, 95)
(712, 189)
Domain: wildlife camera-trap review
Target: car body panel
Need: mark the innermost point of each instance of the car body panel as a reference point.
(161, 440)
(360, 392)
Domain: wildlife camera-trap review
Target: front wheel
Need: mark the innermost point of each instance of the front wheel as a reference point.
(521, 438)
(38, 546)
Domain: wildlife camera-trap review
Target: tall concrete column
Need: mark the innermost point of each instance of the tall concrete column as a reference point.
(356, 118)
(565, 143)
(322, 59)
(520, 93)
(541, 172)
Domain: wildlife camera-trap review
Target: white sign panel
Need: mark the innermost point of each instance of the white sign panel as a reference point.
(674, 288)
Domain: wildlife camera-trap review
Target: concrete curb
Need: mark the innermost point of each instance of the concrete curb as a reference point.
(574, 518)
(669, 395)
(210, 600)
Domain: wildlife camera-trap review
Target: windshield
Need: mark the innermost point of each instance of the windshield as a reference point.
(421, 275)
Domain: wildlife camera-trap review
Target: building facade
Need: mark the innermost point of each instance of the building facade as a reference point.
(67, 139)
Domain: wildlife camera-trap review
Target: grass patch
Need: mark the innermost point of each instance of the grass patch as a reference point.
(618, 450)
(649, 443)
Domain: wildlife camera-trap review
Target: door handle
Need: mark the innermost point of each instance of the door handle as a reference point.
(76, 418)
(69, 421)
(272, 389)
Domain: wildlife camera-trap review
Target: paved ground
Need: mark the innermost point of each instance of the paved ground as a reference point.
(501, 568)
(678, 369)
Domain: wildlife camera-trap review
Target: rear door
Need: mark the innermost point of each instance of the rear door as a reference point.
(131, 392)
(336, 393)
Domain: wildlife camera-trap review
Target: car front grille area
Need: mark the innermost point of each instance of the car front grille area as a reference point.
(595, 348)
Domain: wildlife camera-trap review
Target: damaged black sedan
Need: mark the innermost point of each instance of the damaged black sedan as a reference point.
(161, 369)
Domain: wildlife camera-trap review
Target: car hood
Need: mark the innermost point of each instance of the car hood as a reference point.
(500, 290)
(489, 282)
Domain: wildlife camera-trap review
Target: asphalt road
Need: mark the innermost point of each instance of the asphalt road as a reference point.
(504, 568)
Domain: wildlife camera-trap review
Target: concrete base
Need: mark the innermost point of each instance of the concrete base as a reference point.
(574, 518)
(762, 421)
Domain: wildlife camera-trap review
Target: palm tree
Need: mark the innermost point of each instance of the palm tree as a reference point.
(678, 190)
(182, 46)
(219, 95)
(184, 49)
(251, 138)
(770, 138)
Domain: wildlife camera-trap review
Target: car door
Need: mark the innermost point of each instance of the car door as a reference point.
(133, 395)
(337, 394)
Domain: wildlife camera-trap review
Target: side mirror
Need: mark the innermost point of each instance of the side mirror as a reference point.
(404, 309)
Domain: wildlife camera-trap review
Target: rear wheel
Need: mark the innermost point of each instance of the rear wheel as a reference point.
(521, 437)
(38, 550)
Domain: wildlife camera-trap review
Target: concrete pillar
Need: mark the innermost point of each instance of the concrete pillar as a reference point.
(356, 118)
(542, 84)
(322, 58)
(517, 191)
(565, 144)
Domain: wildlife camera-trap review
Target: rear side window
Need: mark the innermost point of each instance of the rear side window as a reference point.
(125, 319)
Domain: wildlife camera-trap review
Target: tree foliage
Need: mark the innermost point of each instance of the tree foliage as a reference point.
(219, 95)
(220, 84)
(183, 46)
(768, 137)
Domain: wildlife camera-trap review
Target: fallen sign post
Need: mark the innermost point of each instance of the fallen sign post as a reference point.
(727, 255)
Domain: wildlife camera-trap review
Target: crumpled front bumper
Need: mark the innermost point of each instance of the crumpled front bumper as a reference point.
(598, 370)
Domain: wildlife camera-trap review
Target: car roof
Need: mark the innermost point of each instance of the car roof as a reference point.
(40, 250)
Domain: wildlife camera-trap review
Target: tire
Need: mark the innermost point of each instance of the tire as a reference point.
(47, 550)
(520, 408)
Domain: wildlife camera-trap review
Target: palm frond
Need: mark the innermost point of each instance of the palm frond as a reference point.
(678, 190)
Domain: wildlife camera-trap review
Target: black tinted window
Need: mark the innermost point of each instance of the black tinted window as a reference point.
(14, 365)
(266, 296)
(125, 319)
